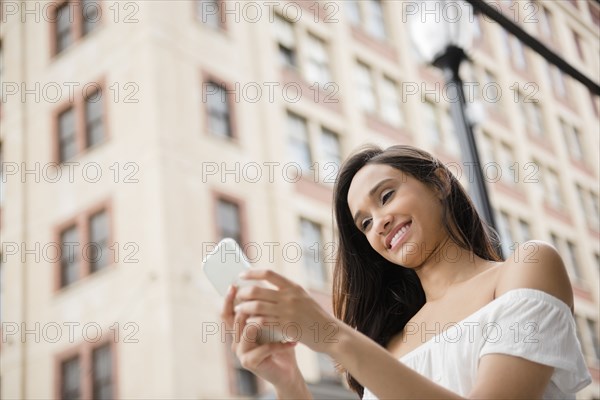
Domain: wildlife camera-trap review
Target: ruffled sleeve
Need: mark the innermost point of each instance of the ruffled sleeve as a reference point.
(539, 327)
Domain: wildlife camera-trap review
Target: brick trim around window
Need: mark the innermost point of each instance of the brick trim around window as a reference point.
(82, 92)
(76, 25)
(81, 223)
(84, 351)
(207, 78)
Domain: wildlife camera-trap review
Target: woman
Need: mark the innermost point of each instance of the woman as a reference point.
(418, 279)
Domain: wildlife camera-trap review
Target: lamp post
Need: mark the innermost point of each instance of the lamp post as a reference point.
(440, 31)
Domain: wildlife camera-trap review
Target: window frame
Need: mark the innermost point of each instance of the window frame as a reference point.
(78, 105)
(81, 222)
(84, 352)
(210, 78)
(77, 24)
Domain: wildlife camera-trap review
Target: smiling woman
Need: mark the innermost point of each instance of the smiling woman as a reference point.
(415, 256)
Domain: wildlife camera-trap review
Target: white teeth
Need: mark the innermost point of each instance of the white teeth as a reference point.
(398, 235)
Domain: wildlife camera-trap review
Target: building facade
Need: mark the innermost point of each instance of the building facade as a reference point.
(135, 135)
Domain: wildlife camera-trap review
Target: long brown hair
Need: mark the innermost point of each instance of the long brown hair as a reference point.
(372, 294)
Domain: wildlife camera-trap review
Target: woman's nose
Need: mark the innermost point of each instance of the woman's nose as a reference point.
(383, 224)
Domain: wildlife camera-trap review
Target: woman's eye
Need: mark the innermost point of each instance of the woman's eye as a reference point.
(365, 224)
(386, 196)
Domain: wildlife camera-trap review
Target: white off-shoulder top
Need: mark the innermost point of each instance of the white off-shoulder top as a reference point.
(527, 323)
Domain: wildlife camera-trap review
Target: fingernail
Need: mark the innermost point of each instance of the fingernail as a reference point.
(243, 274)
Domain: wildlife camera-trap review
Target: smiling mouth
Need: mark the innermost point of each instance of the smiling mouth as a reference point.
(399, 234)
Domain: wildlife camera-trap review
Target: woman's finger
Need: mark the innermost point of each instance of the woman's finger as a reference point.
(227, 312)
(257, 293)
(251, 359)
(256, 307)
(267, 275)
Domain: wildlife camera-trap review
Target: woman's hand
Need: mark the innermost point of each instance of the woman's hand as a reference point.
(289, 310)
(274, 362)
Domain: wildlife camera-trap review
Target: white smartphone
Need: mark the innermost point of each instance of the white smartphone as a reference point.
(222, 267)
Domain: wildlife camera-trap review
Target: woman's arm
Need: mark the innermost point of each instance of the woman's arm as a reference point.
(499, 375)
(374, 367)
(292, 308)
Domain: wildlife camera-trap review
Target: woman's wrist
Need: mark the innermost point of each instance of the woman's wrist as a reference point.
(338, 344)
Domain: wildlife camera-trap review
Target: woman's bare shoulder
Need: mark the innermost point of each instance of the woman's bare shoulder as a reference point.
(537, 265)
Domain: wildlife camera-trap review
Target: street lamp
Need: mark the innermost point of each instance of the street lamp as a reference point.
(440, 31)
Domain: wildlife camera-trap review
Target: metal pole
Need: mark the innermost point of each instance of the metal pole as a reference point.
(536, 45)
(449, 63)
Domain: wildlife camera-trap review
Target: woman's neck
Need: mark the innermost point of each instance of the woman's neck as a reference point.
(447, 267)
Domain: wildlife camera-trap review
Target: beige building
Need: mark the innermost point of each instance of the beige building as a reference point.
(134, 135)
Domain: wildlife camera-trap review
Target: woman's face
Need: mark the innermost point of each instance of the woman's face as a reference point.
(399, 215)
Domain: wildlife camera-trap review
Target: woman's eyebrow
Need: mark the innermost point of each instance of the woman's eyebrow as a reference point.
(372, 192)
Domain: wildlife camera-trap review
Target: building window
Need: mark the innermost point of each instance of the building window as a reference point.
(2, 267)
(595, 208)
(70, 379)
(330, 147)
(390, 102)
(219, 115)
(85, 246)
(572, 260)
(572, 139)
(592, 327)
(229, 221)
(317, 69)
(88, 374)
(506, 160)
(491, 92)
(63, 31)
(69, 263)
(432, 124)
(67, 135)
(553, 188)
(518, 51)
(558, 79)
(73, 20)
(366, 90)
(375, 24)
(3, 79)
(504, 231)
(545, 18)
(209, 13)
(298, 141)
(91, 13)
(286, 40)
(353, 11)
(477, 31)
(450, 136)
(94, 125)
(578, 45)
(312, 253)
(2, 177)
(593, 100)
(99, 237)
(486, 149)
(594, 13)
(582, 196)
(535, 121)
(102, 384)
(71, 136)
(367, 14)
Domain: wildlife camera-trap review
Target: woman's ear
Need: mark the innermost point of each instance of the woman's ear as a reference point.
(445, 182)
